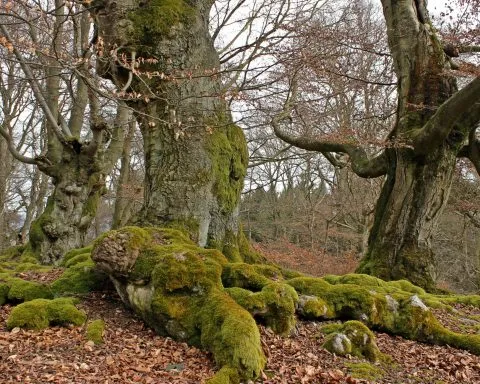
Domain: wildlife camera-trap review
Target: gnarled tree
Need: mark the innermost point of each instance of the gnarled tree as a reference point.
(42, 65)
(435, 124)
(161, 56)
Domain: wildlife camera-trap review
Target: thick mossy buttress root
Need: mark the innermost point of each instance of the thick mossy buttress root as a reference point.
(274, 305)
(41, 313)
(197, 295)
(95, 330)
(177, 288)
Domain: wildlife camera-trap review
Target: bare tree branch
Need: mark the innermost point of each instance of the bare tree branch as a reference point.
(438, 127)
(62, 131)
(13, 150)
(361, 164)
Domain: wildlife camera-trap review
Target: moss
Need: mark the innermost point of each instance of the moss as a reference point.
(226, 375)
(229, 156)
(23, 267)
(311, 307)
(157, 18)
(247, 253)
(177, 288)
(230, 333)
(12, 253)
(4, 288)
(95, 330)
(79, 279)
(22, 290)
(181, 271)
(188, 227)
(274, 305)
(77, 259)
(352, 338)
(36, 234)
(364, 371)
(331, 328)
(374, 282)
(40, 313)
(76, 252)
(244, 276)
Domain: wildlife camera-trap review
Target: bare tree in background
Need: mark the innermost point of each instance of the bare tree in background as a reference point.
(435, 124)
(46, 59)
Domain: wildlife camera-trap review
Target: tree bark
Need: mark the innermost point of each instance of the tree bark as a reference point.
(195, 157)
(419, 173)
(5, 170)
(78, 185)
(435, 124)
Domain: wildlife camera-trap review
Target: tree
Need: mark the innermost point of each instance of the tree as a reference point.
(47, 71)
(195, 157)
(435, 124)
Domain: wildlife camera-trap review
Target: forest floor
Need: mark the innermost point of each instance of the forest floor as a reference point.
(132, 353)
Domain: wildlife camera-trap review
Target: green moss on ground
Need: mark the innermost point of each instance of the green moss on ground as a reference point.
(76, 252)
(12, 253)
(95, 330)
(364, 371)
(22, 290)
(226, 375)
(199, 296)
(352, 338)
(41, 313)
(79, 279)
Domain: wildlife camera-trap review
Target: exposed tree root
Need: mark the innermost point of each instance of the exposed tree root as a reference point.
(196, 295)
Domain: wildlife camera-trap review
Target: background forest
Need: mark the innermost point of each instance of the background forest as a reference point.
(296, 207)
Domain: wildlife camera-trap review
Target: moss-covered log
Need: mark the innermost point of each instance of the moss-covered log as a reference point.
(198, 296)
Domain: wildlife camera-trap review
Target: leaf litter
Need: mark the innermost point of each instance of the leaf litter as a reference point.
(133, 353)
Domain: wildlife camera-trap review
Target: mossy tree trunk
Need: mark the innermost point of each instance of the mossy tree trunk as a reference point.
(435, 125)
(78, 185)
(421, 167)
(76, 153)
(195, 157)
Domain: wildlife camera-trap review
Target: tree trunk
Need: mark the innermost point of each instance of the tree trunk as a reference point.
(419, 176)
(5, 170)
(78, 185)
(195, 157)
(412, 198)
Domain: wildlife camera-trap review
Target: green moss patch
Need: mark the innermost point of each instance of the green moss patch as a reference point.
(365, 371)
(41, 313)
(74, 253)
(229, 156)
(274, 305)
(22, 290)
(352, 338)
(12, 253)
(177, 288)
(95, 331)
(79, 279)
(157, 18)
